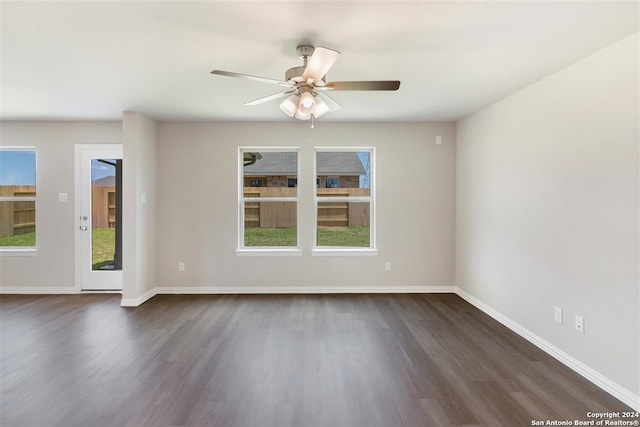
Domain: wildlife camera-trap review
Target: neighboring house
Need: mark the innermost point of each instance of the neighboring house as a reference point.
(279, 169)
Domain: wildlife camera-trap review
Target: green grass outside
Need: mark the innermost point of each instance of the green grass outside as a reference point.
(104, 240)
(257, 236)
(20, 240)
(327, 236)
(344, 236)
(103, 247)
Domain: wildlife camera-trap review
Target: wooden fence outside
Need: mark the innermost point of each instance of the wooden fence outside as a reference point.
(103, 206)
(283, 214)
(20, 217)
(17, 217)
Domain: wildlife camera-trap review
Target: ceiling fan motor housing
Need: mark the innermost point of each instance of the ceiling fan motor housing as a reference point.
(305, 50)
(295, 74)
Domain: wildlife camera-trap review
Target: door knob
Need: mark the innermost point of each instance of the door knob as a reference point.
(83, 228)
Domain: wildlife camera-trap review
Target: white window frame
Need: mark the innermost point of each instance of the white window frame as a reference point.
(371, 199)
(22, 250)
(265, 250)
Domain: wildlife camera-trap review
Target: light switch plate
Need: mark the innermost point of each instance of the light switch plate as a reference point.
(557, 315)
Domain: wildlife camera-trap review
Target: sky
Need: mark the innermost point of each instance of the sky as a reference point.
(17, 168)
(100, 170)
(364, 158)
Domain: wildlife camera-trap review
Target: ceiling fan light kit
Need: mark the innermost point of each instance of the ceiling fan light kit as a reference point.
(306, 85)
(306, 99)
(290, 105)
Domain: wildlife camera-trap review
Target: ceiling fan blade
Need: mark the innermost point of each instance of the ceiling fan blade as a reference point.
(269, 98)
(363, 85)
(332, 103)
(320, 62)
(253, 78)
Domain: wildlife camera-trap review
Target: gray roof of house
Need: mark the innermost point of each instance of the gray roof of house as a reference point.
(329, 163)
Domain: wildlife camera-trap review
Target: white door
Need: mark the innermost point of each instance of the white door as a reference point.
(97, 241)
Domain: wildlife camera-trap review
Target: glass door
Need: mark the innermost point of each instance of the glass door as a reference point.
(100, 218)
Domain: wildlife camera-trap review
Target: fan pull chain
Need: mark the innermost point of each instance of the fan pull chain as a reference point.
(312, 121)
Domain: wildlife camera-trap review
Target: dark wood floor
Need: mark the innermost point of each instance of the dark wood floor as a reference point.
(295, 360)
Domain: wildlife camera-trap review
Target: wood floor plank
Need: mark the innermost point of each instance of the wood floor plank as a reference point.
(276, 360)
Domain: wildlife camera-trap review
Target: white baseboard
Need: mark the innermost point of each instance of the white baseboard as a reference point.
(611, 387)
(134, 302)
(305, 290)
(38, 290)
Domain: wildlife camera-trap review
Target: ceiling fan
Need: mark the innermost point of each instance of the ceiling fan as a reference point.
(306, 93)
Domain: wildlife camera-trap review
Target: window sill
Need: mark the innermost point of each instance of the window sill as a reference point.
(18, 252)
(269, 252)
(344, 252)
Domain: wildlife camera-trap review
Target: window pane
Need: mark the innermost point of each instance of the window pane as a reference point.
(17, 168)
(343, 173)
(103, 214)
(343, 224)
(18, 223)
(274, 171)
(270, 224)
(17, 179)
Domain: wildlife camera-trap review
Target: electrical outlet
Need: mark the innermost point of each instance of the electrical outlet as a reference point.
(181, 266)
(580, 324)
(557, 315)
(387, 266)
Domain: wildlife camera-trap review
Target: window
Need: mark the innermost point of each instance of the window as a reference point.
(268, 213)
(345, 204)
(256, 183)
(17, 199)
(332, 182)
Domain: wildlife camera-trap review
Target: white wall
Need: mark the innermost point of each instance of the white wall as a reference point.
(197, 206)
(139, 207)
(53, 267)
(547, 209)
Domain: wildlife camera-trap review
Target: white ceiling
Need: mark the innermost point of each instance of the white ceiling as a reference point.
(94, 60)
